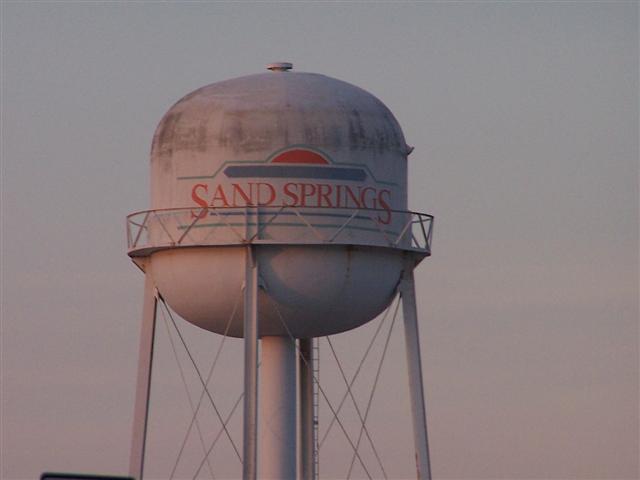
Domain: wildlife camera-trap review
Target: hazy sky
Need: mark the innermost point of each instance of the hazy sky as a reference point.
(524, 118)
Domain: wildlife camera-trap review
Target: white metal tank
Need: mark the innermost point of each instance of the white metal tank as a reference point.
(311, 169)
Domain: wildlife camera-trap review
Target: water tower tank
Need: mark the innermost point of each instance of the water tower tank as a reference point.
(310, 168)
(279, 210)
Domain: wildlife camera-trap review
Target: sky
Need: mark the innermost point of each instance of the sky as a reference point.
(524, 118)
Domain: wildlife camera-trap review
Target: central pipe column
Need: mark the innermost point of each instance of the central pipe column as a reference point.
(278, 408)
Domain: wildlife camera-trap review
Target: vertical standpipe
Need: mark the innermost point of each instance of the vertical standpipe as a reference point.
(278, 408)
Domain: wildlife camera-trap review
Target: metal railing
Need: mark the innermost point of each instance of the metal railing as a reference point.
(151, 230)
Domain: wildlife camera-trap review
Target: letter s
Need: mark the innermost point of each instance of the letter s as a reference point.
(199, 200)
(385, 206)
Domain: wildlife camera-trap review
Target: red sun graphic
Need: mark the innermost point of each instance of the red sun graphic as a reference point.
(300, 156)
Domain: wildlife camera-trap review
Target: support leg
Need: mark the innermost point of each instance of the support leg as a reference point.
(307, 415)
(414, 365)
(143, 386)
(250, 406)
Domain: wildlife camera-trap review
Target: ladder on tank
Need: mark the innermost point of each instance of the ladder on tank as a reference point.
(315, 355)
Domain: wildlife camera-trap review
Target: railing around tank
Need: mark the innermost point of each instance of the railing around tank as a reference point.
(150, 230)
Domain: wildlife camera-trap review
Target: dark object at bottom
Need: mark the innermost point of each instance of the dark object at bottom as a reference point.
(80, 476)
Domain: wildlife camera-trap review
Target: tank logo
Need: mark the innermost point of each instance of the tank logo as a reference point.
(298, 177)
(297, 163)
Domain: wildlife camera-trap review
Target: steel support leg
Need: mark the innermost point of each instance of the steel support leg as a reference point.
(414, 366)
(143, 384)
(250, 405)
(307, 415)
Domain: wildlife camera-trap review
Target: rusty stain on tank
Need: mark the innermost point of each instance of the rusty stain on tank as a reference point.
(266, 112)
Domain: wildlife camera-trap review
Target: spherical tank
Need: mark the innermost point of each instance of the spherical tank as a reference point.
(309, 170)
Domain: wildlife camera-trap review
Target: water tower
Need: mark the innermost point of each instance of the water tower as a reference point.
(291, 187)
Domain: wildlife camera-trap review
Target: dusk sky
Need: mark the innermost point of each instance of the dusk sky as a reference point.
(524, 118)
